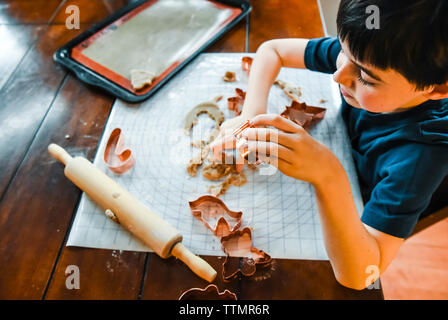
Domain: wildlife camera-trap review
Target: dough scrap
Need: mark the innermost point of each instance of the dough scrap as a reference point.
(216, 171)
(293, 92)
(141, 78)
(235, 179)
(197, 160)
(213, 171)
(209, 107)
(229, 76)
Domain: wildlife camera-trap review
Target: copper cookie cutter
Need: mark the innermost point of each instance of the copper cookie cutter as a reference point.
(235, 243)
(215, 215)
(246, 64)
(303, 114)
(116, 159)
(235, 103)
(241, 142)
(210, 292)
(239, 244)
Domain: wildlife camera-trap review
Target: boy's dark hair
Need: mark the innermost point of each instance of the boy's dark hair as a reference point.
(412, 37)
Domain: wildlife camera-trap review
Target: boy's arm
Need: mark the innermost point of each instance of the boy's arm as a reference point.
(271, 56)
(355, 250)
(351, 245)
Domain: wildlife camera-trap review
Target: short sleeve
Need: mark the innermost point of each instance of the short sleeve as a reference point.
(409, 179)
(321, 54)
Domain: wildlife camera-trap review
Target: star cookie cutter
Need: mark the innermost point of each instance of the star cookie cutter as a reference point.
(303, 114)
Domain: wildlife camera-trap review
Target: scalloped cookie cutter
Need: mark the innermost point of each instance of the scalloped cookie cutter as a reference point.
(116, 159)
(211, 292)
(215, 215)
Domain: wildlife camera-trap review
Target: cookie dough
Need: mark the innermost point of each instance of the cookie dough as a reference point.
(209, 107)
(229, 76)
(293, 92)
(141, 78)
(197, 161)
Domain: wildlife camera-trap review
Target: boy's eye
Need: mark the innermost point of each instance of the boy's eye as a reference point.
(363, 81)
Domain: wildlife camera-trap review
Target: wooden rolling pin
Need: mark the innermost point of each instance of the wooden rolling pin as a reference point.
(156, 233)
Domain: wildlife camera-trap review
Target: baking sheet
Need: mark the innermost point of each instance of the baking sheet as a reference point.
(281, 210)
(156, 36)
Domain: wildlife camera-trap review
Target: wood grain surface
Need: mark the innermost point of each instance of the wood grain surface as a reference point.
(40, 102)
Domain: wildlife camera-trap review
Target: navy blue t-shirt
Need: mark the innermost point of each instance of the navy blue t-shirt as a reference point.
(401, 158)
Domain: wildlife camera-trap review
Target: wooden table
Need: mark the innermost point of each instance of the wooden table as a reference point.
(40, 102)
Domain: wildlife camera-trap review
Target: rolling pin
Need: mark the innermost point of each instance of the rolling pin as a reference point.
(156, 233)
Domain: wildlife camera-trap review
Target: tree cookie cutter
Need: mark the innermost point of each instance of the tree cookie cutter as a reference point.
(210, 292)
(116, 159)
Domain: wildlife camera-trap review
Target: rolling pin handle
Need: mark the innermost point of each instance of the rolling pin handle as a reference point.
(195, 263)
(59, 153)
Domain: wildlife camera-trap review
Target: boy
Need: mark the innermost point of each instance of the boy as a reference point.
(394, 84)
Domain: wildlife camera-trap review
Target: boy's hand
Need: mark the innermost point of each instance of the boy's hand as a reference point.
(228, 126)
(225, 139)
(290, 148)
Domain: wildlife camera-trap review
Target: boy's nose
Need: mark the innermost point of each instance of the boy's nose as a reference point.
(343, 75)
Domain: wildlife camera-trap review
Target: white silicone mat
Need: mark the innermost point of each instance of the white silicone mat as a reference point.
(282, 211)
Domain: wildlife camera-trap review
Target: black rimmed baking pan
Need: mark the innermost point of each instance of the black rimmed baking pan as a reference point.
(156, 36)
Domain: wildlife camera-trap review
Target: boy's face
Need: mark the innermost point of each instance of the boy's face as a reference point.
(375, 90)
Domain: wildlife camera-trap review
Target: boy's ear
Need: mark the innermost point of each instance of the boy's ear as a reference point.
(437, 92)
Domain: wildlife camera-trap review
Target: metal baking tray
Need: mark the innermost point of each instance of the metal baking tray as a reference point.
(160, 36)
